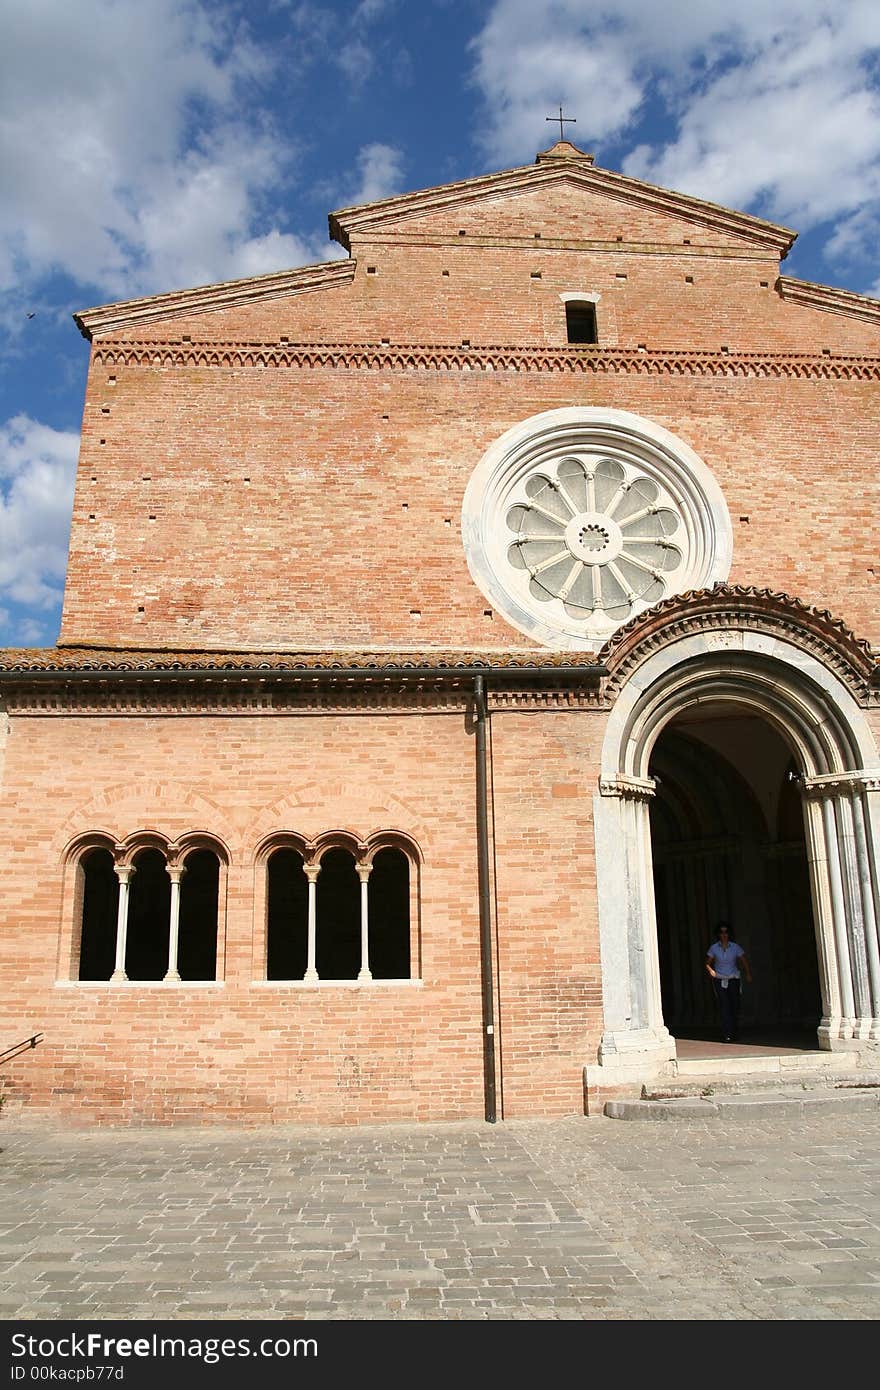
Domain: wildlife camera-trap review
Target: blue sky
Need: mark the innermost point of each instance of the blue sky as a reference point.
(147, 145)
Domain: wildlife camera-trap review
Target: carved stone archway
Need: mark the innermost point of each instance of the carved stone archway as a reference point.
(807, 675)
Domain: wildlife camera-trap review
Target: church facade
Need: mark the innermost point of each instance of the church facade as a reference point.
(453, 634)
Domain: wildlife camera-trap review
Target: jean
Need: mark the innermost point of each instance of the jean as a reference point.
(728, 1003)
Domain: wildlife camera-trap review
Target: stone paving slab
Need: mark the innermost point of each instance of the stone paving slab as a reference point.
(751, 1215)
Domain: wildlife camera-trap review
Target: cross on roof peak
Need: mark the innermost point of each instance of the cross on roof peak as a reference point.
(563, 120)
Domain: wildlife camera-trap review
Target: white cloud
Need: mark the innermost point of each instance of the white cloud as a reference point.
(380, 170)
(775, 107)
(124, 160)
(37, 469)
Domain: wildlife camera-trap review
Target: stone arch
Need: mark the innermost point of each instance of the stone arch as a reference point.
(392, 839)
(338, 839)
(801, 671)
(80, 845)
(195, 840)
(141, 840)
(281, 839)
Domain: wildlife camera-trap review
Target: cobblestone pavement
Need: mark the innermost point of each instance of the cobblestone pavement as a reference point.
(570, 1218)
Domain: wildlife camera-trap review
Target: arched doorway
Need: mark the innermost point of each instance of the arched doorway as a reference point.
(728, 843)
(703, 652)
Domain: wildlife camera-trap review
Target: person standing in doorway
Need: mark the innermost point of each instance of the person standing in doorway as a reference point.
(725, 962)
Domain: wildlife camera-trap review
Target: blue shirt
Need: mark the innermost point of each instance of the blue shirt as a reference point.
(725, 959)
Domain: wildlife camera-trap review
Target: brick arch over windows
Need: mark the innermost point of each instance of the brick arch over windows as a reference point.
(801, 679)
(174, 810)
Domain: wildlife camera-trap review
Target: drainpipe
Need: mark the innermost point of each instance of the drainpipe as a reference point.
(485, 903)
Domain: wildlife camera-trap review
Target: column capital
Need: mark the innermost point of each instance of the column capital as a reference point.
(630, 788)
(124, 872)
(363, 871)
(311, 872)
(175, 872)
(837, 783)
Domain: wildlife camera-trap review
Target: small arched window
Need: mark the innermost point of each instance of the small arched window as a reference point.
(149, 913)
(580, 321)
(388, 891)
(100, 909)
(199, 897)
(338, 953)
(288, 910)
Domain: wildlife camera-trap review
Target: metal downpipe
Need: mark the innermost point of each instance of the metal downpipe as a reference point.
(482, 783)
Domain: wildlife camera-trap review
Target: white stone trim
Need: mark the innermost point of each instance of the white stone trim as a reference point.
(644, 449)
(335, 984)
(580, 296)
(140, 984)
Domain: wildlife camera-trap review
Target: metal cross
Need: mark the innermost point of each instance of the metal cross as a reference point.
(568, 120)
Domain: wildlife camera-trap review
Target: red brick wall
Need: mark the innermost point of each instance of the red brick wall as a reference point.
(272, 1052)
(290, 513)
(288, 506)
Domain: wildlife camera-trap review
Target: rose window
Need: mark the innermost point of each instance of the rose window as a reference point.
(576, 520)
(594, 538)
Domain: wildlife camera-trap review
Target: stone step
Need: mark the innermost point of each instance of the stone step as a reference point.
(779, 1064)
(768, 1103)
(716, 1082)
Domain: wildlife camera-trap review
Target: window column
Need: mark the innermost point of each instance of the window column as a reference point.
(123, 873)
(311, 872)
(363, 873)
(175, 873)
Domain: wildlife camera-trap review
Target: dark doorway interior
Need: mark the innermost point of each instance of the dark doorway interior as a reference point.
(728, 843)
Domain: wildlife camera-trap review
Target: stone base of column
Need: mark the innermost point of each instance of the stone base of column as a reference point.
(626, 1062)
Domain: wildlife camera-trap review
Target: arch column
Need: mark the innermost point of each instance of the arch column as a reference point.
(634, 1030)
(363, 873)
(124, 874)
(311, 872)
(175, 873)
(846, 896)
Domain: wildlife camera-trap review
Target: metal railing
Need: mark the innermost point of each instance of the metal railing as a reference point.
(18, 1048)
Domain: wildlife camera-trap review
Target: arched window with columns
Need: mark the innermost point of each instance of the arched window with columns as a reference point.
(149, 911)
(340, 909)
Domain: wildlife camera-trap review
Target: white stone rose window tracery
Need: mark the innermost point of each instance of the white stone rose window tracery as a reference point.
(578, 519)
(594, 538)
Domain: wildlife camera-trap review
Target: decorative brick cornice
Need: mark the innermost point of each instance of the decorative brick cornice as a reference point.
(123, 682)
(139, 697)
(726, 609)
(588, 361)
(333, 664)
